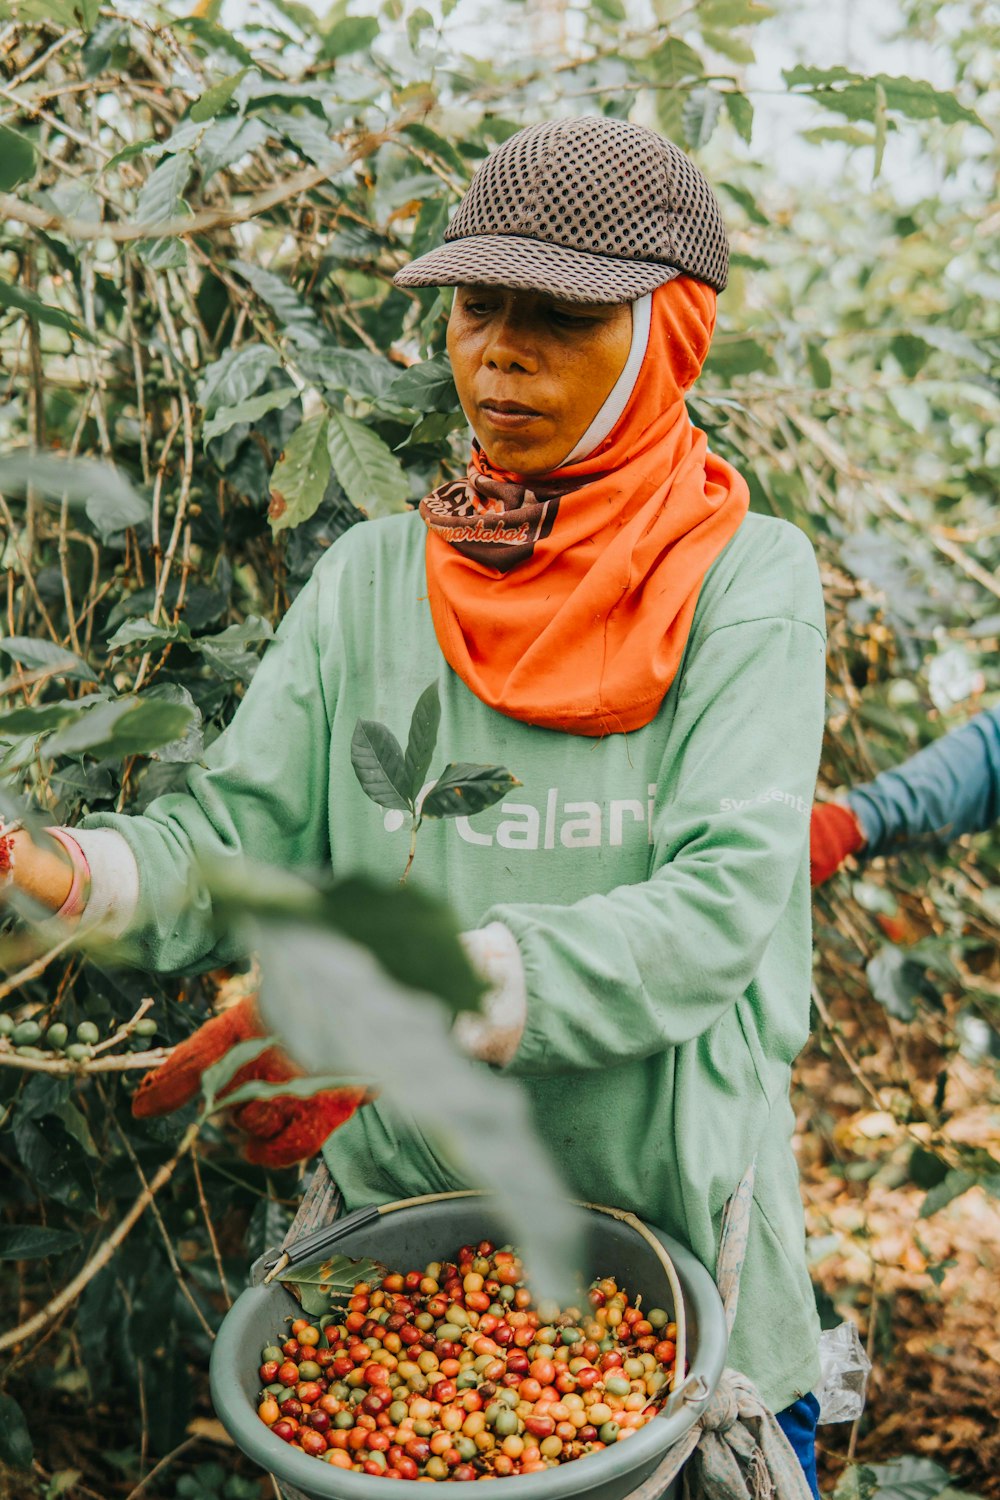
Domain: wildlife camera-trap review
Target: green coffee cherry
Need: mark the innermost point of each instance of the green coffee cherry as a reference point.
(87, 1033)
(6, 1025)
(79, 1052)
(29, 1052)
(26, 1034)
(57, 1035)
(146, 1027)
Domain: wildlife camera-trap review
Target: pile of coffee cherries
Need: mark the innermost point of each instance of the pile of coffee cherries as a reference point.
(453, 1373)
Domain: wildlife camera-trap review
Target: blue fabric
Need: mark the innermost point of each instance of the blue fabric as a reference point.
(949, 788)
(798, 1423)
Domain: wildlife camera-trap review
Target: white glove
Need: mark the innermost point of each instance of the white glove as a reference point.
(493, 1034)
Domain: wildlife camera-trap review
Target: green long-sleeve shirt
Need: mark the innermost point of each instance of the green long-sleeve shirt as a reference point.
(657, 884)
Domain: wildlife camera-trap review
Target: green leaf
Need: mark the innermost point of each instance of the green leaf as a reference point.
(296, 317)
(926, 1169)
(211, 36)
(15, 1440)
(33, 653)
(429, 140)
(190, 745)
(34, 1241)
(463, 789)
(700, 116)
(250, 411)
(321, 1285)
(727, 13)
(896, 981)
(857, 1482)
(909, 1478)
(370, 475)
(41, 312)
(911, 351)
(351, 34)
(38, 718)
(299, 478)
(401, 1036)
(674, 61)
(215, 1078)
(57, 1166)
(422, 739)
(162, 199)
(849, 135)
(854, 95)
(730, 45)
(731, 357)
(17, 158)
(429, 386)
(747, 202)
(379, 765)
(225, 141)
(110, 502)
(140, 632)
(123, 726)
(235, 377)
(226, 652)
(740, 112)
(215, 99)
(819, 366)
(357, 372)
(954, 1184)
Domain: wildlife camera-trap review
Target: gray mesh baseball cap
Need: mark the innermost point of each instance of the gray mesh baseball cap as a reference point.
(587, 209)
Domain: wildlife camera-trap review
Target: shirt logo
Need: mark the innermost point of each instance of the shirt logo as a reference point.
(557, 823)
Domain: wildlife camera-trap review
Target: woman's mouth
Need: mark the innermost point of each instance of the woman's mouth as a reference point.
(508, 415)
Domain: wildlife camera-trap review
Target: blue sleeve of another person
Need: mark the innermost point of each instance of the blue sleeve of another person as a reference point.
(949, 788)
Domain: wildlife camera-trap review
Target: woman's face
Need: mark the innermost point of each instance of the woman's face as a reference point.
(532, 372)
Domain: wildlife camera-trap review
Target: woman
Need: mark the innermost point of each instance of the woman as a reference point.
(605, 618)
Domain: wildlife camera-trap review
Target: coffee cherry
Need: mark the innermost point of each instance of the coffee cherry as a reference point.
(87, 1033)
(57, 1035)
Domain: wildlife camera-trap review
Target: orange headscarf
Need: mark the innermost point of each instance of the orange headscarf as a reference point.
(586, 633)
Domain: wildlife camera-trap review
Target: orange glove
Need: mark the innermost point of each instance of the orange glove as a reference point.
(834, 833)
(282, 1130)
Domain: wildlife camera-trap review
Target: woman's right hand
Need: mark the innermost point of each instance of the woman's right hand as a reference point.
(281, 1130)
(44, 874)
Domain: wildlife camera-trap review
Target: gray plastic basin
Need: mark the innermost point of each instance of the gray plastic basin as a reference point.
(411, 1237)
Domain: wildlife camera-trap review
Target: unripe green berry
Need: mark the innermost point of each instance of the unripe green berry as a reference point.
(87, 1032)
(146, 1027)
(78, 1052)
(26, 1034)
(6, 1025)
(57, 1035)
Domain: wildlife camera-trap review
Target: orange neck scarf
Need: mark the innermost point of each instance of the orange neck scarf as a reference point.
(579, 618)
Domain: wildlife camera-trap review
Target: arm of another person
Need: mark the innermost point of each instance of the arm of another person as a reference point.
(626, 974)
(260, 794)
(949, 788)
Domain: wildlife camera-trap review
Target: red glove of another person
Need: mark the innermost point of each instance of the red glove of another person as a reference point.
(834, 833)
(282, 1130)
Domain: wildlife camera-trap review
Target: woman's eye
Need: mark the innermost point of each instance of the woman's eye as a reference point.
(569, 320)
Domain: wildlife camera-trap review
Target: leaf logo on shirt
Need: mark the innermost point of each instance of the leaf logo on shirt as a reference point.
(393, 777)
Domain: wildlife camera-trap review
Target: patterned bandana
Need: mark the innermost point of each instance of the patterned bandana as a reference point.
(496, 522)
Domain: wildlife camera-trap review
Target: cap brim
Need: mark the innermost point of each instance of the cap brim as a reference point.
(528, 265)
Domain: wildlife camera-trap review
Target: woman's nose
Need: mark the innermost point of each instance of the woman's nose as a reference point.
(509, 348)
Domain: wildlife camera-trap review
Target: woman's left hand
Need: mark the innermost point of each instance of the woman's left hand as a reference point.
(282, 1130)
